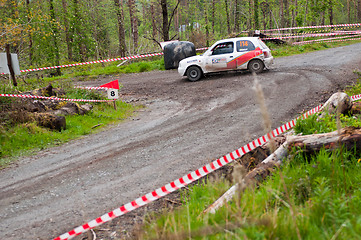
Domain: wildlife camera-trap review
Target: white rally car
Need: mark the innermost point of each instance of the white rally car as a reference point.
(228, 54)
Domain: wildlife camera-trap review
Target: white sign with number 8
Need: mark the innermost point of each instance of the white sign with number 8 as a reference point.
(113, 93)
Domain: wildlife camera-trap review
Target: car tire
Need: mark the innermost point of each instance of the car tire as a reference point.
(194, 73)
(256, 66)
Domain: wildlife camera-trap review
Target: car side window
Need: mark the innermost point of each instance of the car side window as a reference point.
(223, 48)
(244, 45)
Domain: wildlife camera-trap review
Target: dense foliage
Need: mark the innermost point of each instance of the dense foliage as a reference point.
(51, 32)
(309, 197)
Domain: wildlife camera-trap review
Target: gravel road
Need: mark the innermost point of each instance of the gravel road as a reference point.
(184, 126)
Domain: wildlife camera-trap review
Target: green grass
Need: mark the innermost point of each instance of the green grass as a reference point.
(91, 71)
(320, 197)
(288, 50)
(310, 197)
(311, 125)
(24, 139)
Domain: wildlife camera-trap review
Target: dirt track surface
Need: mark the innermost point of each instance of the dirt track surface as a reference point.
(185, 126)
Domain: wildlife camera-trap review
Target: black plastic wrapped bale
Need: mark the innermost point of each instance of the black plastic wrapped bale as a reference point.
(176, 51)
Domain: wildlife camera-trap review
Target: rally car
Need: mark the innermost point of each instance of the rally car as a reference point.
(228, 54)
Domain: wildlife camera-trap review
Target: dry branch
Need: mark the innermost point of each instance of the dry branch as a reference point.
(349, 138)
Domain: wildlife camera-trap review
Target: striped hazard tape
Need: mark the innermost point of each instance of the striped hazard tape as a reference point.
(99, 61)
(53, 98)
(315, 35)
(326, 40)
(185, 180)
(320, 26)
(92, 88)
(337, 29)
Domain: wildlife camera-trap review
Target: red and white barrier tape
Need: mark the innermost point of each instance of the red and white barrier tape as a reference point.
(339, 29)
(183, 181)
(320, 26)
(326, 41)
(321, 40)
(53, 98)
(91, 88)
(98, 61)
(311, 35)
(356, 97)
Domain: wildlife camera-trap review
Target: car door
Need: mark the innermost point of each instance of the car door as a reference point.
(246, 51)
(221, 55)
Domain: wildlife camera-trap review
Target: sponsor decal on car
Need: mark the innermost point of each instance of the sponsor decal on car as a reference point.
(242, 59)
(219, 60)
(192, 61)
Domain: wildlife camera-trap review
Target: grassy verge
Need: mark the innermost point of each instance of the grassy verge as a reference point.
(18, 139)
(309, 197)
(314, 198)
(91, 71)
(288, 50)
(13, 136)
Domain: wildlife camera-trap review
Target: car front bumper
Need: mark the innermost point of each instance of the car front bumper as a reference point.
(182, 69)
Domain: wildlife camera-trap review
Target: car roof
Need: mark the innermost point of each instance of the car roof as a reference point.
(236, 39)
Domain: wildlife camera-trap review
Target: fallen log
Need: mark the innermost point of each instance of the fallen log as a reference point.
(349, 138)
(338, 103)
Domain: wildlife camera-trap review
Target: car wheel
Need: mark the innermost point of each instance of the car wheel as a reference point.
(256, 66)
(194, 73)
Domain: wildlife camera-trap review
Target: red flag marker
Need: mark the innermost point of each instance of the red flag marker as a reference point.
(114, 84)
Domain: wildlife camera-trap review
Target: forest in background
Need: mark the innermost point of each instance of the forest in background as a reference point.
(54, 32)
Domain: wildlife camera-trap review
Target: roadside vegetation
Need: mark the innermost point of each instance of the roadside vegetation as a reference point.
(19, 138)
(288, 50)
(308, 197)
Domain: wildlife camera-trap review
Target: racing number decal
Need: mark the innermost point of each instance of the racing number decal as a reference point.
(243, 43)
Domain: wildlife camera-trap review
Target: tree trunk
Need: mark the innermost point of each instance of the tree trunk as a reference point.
(286, 13)
(265, 9)
(227, 16)
(256, 15)
(330, 12)
(214, 15)
(31, 53)
(68, 38)
(359, 11)
(282, 16)
(165, 29)
(133, 22)
(154, 26)
(121, 34)
(206, 20)
(236, 16)
(55, 36)
(348, 12)
(349, 137)
(79, 42)
(10, 65)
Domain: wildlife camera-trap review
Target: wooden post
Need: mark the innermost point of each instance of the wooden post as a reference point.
(8, 56)
(115, 106)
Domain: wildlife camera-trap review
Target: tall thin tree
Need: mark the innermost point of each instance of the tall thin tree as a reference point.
(68, 36)
(54, 36)
(31, 50)
(121, 33)
(133, 22)
(359, 11)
